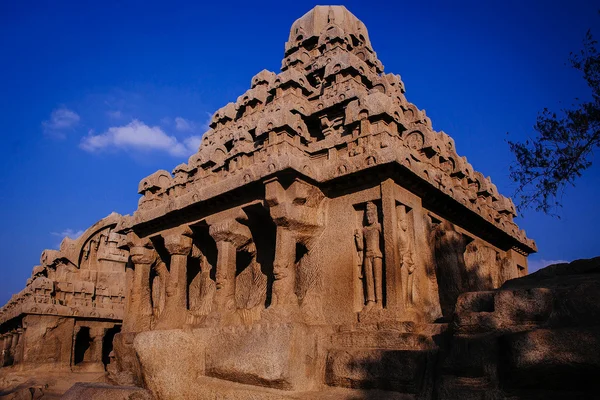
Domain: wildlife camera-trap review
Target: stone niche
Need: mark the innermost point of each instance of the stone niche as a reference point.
(317, 242)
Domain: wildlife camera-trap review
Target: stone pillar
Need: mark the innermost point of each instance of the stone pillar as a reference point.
(96, 334)
(3, 340)
(393, 277)
(76, 330)
(284, 268)
(128, 307)
(296, 210)
(18, 353)
(225, 275)
(7, 342)
(10, 346)
(179, 244)
(229, 236)
(140, 307)
(14, 340)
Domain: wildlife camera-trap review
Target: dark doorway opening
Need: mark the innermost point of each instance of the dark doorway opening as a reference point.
(107, 343)
(83, 342)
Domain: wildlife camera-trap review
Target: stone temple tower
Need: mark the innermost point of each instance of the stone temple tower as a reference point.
(317, 242)
(323, 224)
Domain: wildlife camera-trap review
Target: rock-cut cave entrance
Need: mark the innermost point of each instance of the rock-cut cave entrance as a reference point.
(83, 342)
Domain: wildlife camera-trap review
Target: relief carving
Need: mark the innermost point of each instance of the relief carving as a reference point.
(406, 256)
(202, 288)
(368, 245)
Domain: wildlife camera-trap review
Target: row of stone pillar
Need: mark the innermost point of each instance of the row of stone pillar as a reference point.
(9, 342)
(139, 308)
(295, 206)
(229, 236)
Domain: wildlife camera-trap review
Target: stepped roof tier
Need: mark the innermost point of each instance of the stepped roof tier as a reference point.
(331, 115)
(84, 279)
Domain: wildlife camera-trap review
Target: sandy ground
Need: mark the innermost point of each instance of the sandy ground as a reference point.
(41, 383)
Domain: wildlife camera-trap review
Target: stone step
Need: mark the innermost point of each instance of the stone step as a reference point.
(397, 326)
(212, 388)
(400, 370)
(475, 383)
(465, 388)
(383, 339)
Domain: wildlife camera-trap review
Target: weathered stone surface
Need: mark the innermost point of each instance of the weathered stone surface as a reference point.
(552, 359)
(536, 337)
(124, 367)
(282, 356)
(171, 360)
(102, 391)
(396, 370)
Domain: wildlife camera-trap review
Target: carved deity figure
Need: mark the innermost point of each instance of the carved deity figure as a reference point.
(202, 289)
(369, 249)
(159, 287)
(406, 256)
(251, 284)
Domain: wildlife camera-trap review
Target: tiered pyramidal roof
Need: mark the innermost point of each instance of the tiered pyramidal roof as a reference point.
(330, 114)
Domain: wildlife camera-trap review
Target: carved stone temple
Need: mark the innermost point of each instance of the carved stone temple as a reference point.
(72, 306)
(314, 246)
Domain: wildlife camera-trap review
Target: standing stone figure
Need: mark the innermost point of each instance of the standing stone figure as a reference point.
(202, 289)
(251, 289)
(368, 243)
(158, 288)
(406, 256)
(251, 284)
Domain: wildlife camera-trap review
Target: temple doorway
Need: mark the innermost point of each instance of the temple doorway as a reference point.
(107, 343)
(83, 342)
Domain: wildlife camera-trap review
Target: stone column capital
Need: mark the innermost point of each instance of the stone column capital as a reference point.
(140, 249)
(142, 255)
(230, 231)
(96, 333)
(178, 241)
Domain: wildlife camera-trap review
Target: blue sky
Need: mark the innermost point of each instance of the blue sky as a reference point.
(79, 83)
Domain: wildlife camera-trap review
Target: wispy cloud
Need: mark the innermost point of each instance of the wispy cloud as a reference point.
(206, 124)
(184, 125)
(193, 143)
(535, 265)
(137, 136)
(115, 114)
(61, 121)
(70, 233)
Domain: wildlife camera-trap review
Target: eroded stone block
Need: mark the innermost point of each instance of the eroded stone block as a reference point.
(396, 370)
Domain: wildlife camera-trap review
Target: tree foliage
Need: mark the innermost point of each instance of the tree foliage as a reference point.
(565, 142)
